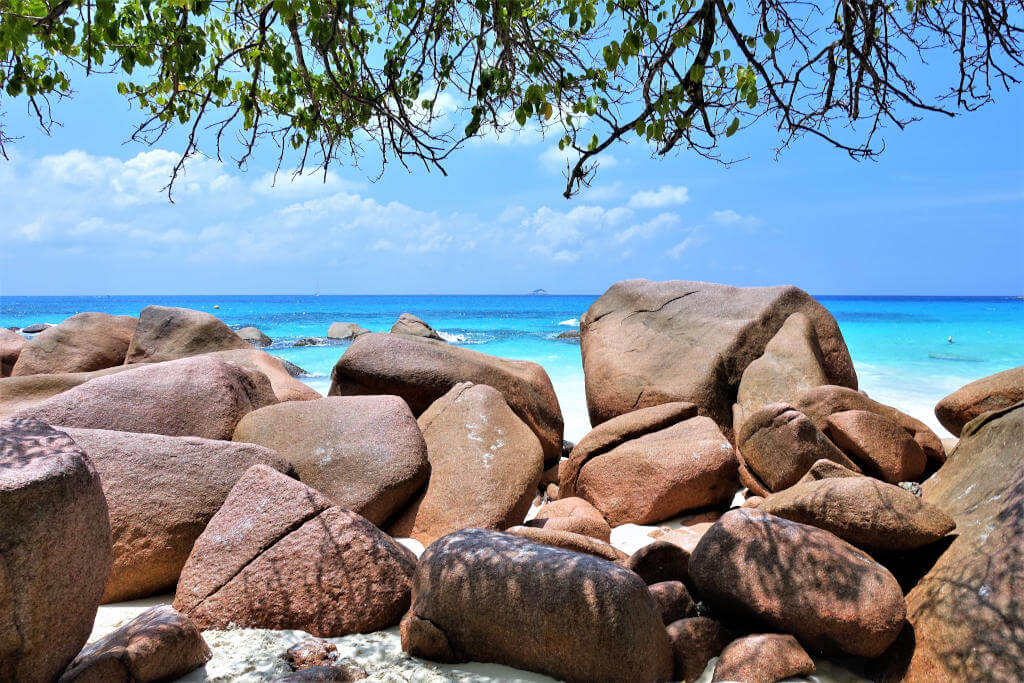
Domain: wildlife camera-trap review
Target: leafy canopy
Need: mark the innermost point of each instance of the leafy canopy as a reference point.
(320, 81)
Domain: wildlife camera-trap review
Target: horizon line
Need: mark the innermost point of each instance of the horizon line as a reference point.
(532, 294)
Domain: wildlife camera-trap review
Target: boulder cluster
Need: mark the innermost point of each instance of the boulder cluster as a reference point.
(165, 453)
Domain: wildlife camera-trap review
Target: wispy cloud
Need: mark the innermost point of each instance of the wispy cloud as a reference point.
(666, 195)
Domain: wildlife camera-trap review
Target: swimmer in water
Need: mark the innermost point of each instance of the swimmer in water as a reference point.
(950, 339)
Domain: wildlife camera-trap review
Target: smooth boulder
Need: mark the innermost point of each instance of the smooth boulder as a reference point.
(11, 344)
(645, 343)
(695, 641)
(54, 550)
(493, 597)
(868, 513)
(762, 658)
(199, 396)
(279, 555)
(878, 444)
(569, 541)
(282, 380)
(778, 444)
(161, 492)
(365, 453)
(410, 325)
(965, 614)
(994, 392)
(161, 644)
(165, 333)
(345, 331)
(423, 370)
(485, 465)
(792, 361)
(654, 477)
(827, 469)
(800, 580)
(18, 393)
(82, 343)
(254, 336)
(572, 514)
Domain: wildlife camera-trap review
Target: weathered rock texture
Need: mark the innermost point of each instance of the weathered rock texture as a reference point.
(282, 381)
(169, 333)
(161, 492)
(694, 642)
(763, 658)
(11, 344)
(994, 392)
(569, 541)
(82, 343)
(878, 444)
(423, 370)
(278, 555)
(966, 613)
(800, 580)
(572, 514)
(365, 453)
(485, 464)
(409, 324)
(19, 393)
(161, 644)
(494, 597)
(646, 343)
(54, 550)
(199, 396)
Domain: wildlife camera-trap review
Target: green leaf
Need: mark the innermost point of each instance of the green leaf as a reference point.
(733, 127)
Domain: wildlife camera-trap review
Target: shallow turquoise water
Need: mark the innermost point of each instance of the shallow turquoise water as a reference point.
(899, 344)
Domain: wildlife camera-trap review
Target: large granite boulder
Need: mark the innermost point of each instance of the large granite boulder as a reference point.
(11, 344)
(199, 396)
(18, 393)
(485, 465)
(54, 550)
(365, 453)
(82, 343)
(792, 361)
(645, 343)
(161, 644)
(572, 514)
(410, 325)
(345, 331)
(282, 381)
(279, 555)
(493, 597)
(169, 333)
(762, 658)
(819, 403)
(423, 370)
(653, 477)
(254, 336)
(965, 614)
(800, 580)
(863, 511)
(695, 641)
(994, 392)
(161, 492)
(777, 445)
(880, 446)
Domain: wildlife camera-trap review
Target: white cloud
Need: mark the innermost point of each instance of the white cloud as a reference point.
(731, 218)
(647, 228)
(694, 239)
(310, 183)
(666, 195)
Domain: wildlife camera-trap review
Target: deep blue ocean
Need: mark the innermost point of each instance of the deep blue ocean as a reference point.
(899, 344)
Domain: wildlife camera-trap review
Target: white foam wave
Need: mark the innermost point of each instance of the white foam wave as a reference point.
(453, 338)
(571, 322)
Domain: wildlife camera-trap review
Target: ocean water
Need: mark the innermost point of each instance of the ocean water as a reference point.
(899, 344)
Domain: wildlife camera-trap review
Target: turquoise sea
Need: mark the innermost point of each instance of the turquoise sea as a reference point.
(899, 344)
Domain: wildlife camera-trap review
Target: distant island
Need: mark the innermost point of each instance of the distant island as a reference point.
(538, 291)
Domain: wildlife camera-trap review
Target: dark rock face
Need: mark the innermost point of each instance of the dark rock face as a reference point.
(423, 370)
(412, 326)
(493, 597)
(966, 613)
(161, 492)
(994, 392)
(694, 642)
(763, 658)
(11, 344)
(54, 550)
(878, 444)
(660, 561)
(821, 402)
(365, 453)
(485, 464)
(800, 580)
(646, 343)
(254, 336)
(169, 333)
(792, 361)
(777, 445)
(161, 644)
(863, 511)
(199, 396)
(82, 343)
(686, 466)
(35, 328)
(674, 601)
(277, 555)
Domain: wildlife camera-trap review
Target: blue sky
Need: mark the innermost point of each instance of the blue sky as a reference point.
(942, 212)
